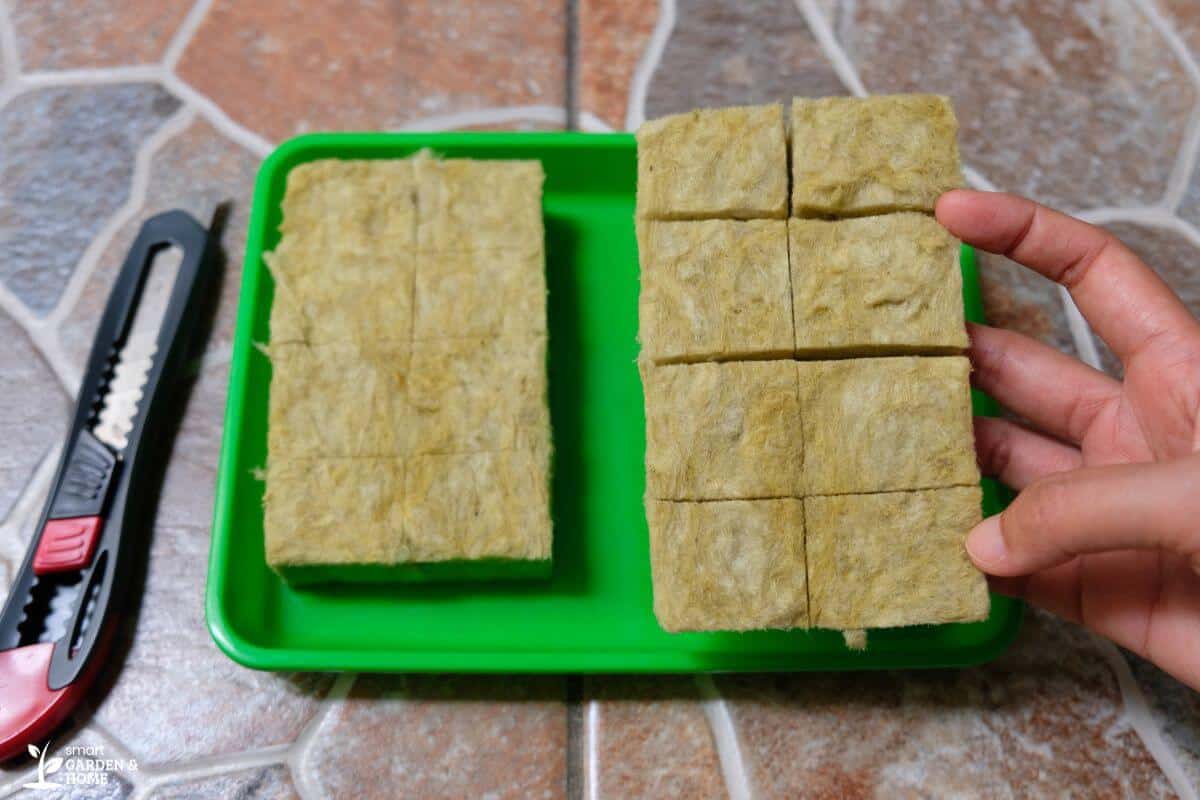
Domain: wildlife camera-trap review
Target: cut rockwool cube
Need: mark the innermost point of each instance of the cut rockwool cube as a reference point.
(714, 289)
(884, 424)
(723, 431)
(736, 565)
(885, 560)
(854, 156)
(727, 162)
(480, 293)
(337, 401)
(333, 511)
(881, 285)
(476, 395)
(336, 205)
(465, 205)
(352, 299)
(478, 506)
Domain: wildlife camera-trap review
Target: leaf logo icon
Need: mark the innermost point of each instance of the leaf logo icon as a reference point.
(44, 767)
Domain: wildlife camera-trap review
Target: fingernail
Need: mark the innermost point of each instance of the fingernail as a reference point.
(985, 544)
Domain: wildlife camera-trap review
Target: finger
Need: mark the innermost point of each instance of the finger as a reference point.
(1055, 589)
(1055, 392)
(1092, 510)
(1018, 456)
(1126, 302)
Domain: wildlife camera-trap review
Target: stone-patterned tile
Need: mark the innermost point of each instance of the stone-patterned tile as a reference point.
(434, 737)
(613, 34)
(1076, 104)
(33, 412)
(516, 125)
(1021, 300)
(190, 478)
(1045, 716)
(281, 70)
(59, 34)
(1183, 17)
(652, 739)
(1176, 709)
(65, 168)
(174, 696)
(726, 53)
(263, 783)
(114, 787)
(195, 170)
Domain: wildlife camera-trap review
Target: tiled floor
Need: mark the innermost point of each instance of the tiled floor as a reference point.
(111, 110)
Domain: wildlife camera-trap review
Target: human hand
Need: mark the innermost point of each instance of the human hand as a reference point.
(1105, 530)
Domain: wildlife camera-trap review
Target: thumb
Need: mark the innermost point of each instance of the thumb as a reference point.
(1091, 510)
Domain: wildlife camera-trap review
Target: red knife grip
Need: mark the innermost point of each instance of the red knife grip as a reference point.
(29, 709)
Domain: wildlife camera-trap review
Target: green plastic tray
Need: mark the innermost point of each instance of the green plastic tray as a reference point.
(595, 614)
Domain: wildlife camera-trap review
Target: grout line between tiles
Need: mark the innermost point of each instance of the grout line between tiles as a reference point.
(724, 733)
(1153, 216)
(215, 116)
(150, 778)
(976, 179)
(590, 123)
(592, 751)
(89, 76)
(10, 789)
(29, 503)
(187, 31)
(554, 115)
(575, 758)
(571, 93)
(44, 339)
(829, 44)
(1137, 712)
(111, 739)
(639, 85)
(298, 753)
(1081, 332)
(1185, 161)
(1174, 41)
